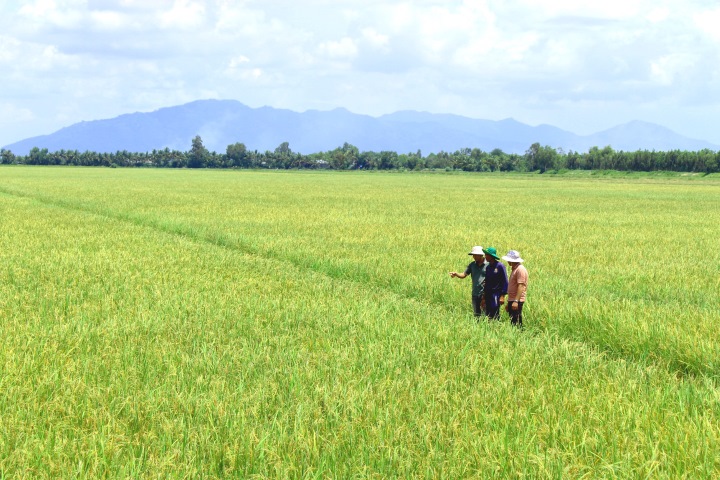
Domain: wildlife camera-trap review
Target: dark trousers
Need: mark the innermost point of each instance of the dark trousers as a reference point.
(516, 315)
(492, 306)
(477, 303)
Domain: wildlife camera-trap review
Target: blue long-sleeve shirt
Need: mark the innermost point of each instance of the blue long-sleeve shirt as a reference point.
(496, 282)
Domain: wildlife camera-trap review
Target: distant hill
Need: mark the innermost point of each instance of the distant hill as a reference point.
(224, 122)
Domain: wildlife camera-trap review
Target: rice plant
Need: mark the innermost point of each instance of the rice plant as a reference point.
(302, 325)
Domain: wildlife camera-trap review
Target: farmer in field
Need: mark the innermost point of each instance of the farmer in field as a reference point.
(496, 283)
(517, 287)
(476, 270)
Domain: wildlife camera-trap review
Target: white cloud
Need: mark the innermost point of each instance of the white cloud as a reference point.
(9, 48)
(237, 61)
(106, 20)
(17, 120)
(185, 14)
(709, 22)
(519, 58)
(238, 68)
(608, 9)
(25, 59)
(657, 15)
(375, 39)
(145, 4)
(236, 19)
(39, 8)
(344, 48)
(15, 113)
(59, 13)
(253, 73)
(667, 69)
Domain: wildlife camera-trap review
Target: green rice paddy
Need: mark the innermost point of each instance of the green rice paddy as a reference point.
(215, 324)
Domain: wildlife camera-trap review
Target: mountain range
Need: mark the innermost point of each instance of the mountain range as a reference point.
(224, 122)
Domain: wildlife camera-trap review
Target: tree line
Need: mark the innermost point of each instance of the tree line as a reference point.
(348, 157)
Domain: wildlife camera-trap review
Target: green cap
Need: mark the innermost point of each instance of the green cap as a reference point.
(492, 252)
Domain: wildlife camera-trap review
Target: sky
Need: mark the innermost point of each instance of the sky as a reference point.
(581, 65)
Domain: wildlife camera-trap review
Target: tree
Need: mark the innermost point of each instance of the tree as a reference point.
(368, 160)
(707, 161)
(237, 155)
(388, 160)
(283, 149)
(281, 157)
(441, 159)
(198, 154)
(547, 156)
(6, 157)
(490, 163)
(338, 160)
(351, 153)
(607, 158)
(531, 155)
(542, 158)
(38, 156)
(461, 160)
(572, 160)
(344, 157)
(415, 161)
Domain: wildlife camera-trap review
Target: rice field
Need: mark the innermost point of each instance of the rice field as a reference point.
(214, 324)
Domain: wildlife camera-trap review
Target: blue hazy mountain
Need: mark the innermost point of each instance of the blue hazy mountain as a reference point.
(224, 122)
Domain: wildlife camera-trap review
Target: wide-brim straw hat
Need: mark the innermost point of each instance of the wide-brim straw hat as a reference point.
(513, 256)
(476, 250)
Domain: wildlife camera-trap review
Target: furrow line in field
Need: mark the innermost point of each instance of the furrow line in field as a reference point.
(208, 236)
(213, 238)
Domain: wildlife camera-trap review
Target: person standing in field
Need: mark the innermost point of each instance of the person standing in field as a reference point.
(476, 270)
(517, 287)
(496, 284)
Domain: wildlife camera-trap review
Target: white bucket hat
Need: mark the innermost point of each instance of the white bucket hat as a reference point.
(513, 256)
(477, 250)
